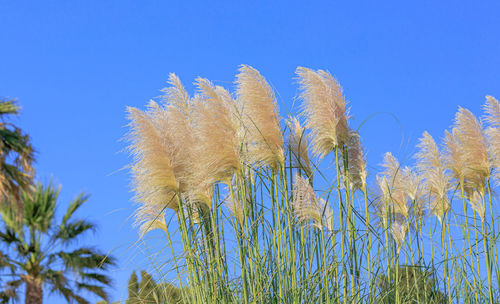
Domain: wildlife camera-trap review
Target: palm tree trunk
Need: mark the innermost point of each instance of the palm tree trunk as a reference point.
(34, 293)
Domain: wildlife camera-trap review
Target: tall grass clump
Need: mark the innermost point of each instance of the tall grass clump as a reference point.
(254, 210)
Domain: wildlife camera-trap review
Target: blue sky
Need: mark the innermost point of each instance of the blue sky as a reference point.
(76, 65)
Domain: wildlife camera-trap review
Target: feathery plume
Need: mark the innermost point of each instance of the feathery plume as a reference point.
(413, 187)
(176, 95)
(398, 232)
(453, 157)
(324, 108)
(307, 207)
(177, 120)
(259, 112)
(357, 162)
(393, 186)
(217, 151)
(477, 204)
(176, 134)
(298, 145)
(436, 180)
(472, 146)
(382, 203)
(492, 109)
(493, 140)
(153, 175)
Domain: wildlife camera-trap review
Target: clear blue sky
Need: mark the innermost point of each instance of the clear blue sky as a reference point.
(75, 65)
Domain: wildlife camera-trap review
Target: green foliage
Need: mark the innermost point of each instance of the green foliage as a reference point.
(147, 291)
(133, 289)
(414, 284)
(16, 155)
(38, 252)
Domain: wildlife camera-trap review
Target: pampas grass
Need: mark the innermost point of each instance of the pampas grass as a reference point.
(153, 174)
(324, 109)
(309, 208)
(252, 229)
(259, 113)
(436, 180)
(474, 153)
(216, 130)
(357, 162)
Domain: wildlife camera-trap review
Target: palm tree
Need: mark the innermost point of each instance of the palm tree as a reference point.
(40, 253)
(16, 154)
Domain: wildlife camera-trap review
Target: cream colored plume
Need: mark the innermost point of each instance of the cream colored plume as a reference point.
(177, 135)
(176, 95)
(453, 156)
(357, 162)
(398, 232)
(259, 112)
(414, 189)
(477, 204)
(298, 145)
(178, 120)
(307, 207)
(324, 109)
(392, 186)
(472, 148)
(217, 148)
(436, 180)
(153, 174)
(492, 108)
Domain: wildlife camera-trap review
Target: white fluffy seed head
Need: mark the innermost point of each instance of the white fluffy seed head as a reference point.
(398, 232)
(308, 208)
(357, 162)
(324, 108)
(259, 113)
(436, 180)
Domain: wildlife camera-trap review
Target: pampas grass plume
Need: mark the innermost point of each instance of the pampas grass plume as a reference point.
(357, 162)
(436, 179)
(472, 149)
(324, 108)
(217, 148)
(259, 112)
(307, 207)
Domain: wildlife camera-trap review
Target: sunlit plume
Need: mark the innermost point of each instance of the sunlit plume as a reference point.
(217, 148)
(259, 112)
(324, 108)
(414, 188)
(357, 162)
(308, 208)
(391, 184)
(398, 232)
(436, 180)
(492, 109)
(152, 170)
(473, 149)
